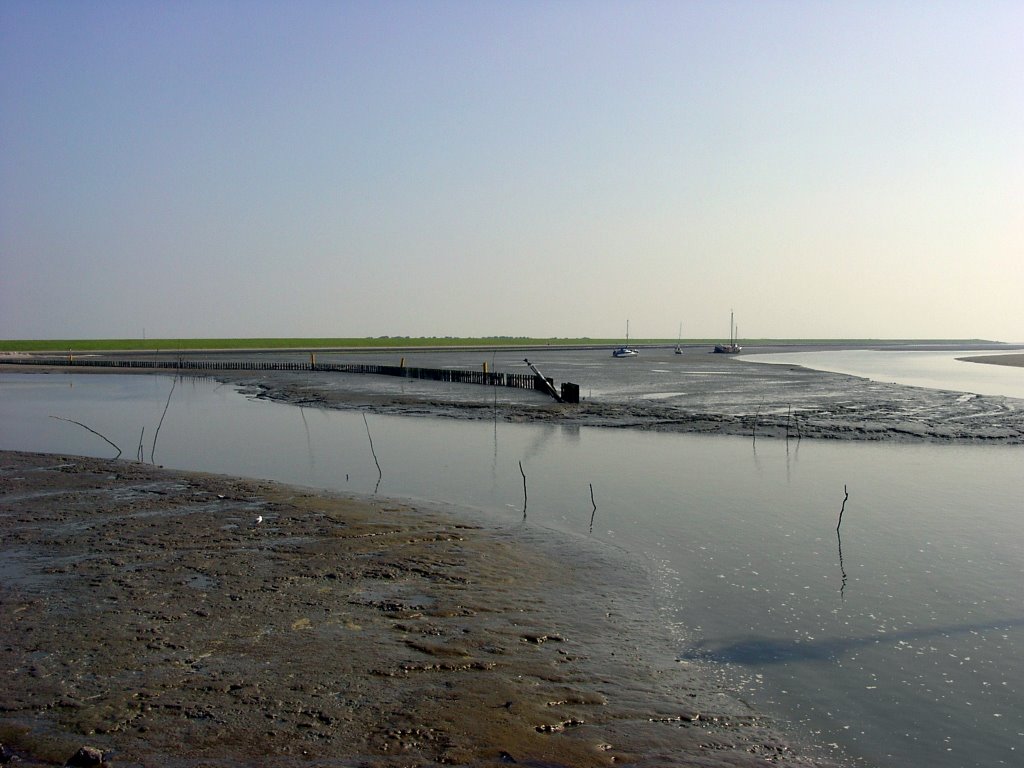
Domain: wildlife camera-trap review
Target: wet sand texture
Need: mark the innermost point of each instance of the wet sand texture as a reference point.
(147, 613)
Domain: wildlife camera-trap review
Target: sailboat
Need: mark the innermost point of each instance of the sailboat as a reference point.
(625, 350)
(733, 346)
(679, 343)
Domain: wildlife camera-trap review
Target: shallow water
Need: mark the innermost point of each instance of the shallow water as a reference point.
(899, 639)
(932, 369)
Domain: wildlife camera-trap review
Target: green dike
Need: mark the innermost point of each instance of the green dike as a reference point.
(170, 345)
(394, 342)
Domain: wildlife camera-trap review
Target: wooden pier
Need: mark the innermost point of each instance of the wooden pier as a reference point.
(569, 392)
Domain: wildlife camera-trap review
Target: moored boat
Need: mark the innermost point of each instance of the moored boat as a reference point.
(733, 346)
(625, 350)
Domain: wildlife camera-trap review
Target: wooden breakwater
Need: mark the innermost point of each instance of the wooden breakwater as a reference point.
(569, 393)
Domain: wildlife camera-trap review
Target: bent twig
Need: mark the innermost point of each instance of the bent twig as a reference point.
(83, 426)
(152, 450)
(380, 474)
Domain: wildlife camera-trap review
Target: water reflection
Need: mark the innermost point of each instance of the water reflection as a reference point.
(309, 440)
(933, 369)
(742, 530)
(752, 650)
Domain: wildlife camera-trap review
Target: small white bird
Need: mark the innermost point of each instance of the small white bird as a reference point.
(259, 519)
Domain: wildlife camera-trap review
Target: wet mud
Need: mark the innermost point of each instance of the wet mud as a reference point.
(1014, 360)
(709, 394)
(734, 398)
(179, 619)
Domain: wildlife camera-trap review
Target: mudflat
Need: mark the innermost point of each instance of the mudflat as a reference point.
(734, 397)
(729, 397)
(1016, 361)
(185, 619)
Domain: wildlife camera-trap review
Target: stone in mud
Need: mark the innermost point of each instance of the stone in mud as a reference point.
(86, 757)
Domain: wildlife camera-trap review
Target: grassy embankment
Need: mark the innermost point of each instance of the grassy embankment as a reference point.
(396, 342)
(385, 342)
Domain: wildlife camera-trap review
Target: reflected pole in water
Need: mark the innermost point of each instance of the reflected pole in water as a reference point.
(309, 441)
(494, 388)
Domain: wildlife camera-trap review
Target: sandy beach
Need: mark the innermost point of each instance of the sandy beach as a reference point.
(182, 619)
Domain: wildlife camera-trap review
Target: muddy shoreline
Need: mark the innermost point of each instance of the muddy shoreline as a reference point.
(752, 399)
(1014, 360)
(740, 398)
(184, 619)
(154, 618)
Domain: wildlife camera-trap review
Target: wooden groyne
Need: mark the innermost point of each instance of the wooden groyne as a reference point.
(569, 392)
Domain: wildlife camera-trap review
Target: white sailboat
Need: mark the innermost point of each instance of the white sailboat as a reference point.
(625, 350)
(679, 342)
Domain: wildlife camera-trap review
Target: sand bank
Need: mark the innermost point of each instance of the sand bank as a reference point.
(771, 401)
(1016, 361)
(183, 619)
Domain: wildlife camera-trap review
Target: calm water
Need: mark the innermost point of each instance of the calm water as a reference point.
(935, 370)
(901, 642)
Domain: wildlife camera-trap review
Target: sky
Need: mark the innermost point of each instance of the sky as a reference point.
(244, 168)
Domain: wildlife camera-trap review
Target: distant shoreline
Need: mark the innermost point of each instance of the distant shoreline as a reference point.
(403, 343)
(1015, 360)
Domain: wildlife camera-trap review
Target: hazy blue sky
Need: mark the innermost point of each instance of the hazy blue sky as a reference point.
(826, 169)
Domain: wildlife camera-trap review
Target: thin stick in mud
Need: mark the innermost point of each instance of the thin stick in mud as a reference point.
(83, 426)
(846, 495)
(380, 474)
(594, 505)
(524, 488)
(152, 450)
(839, 541)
